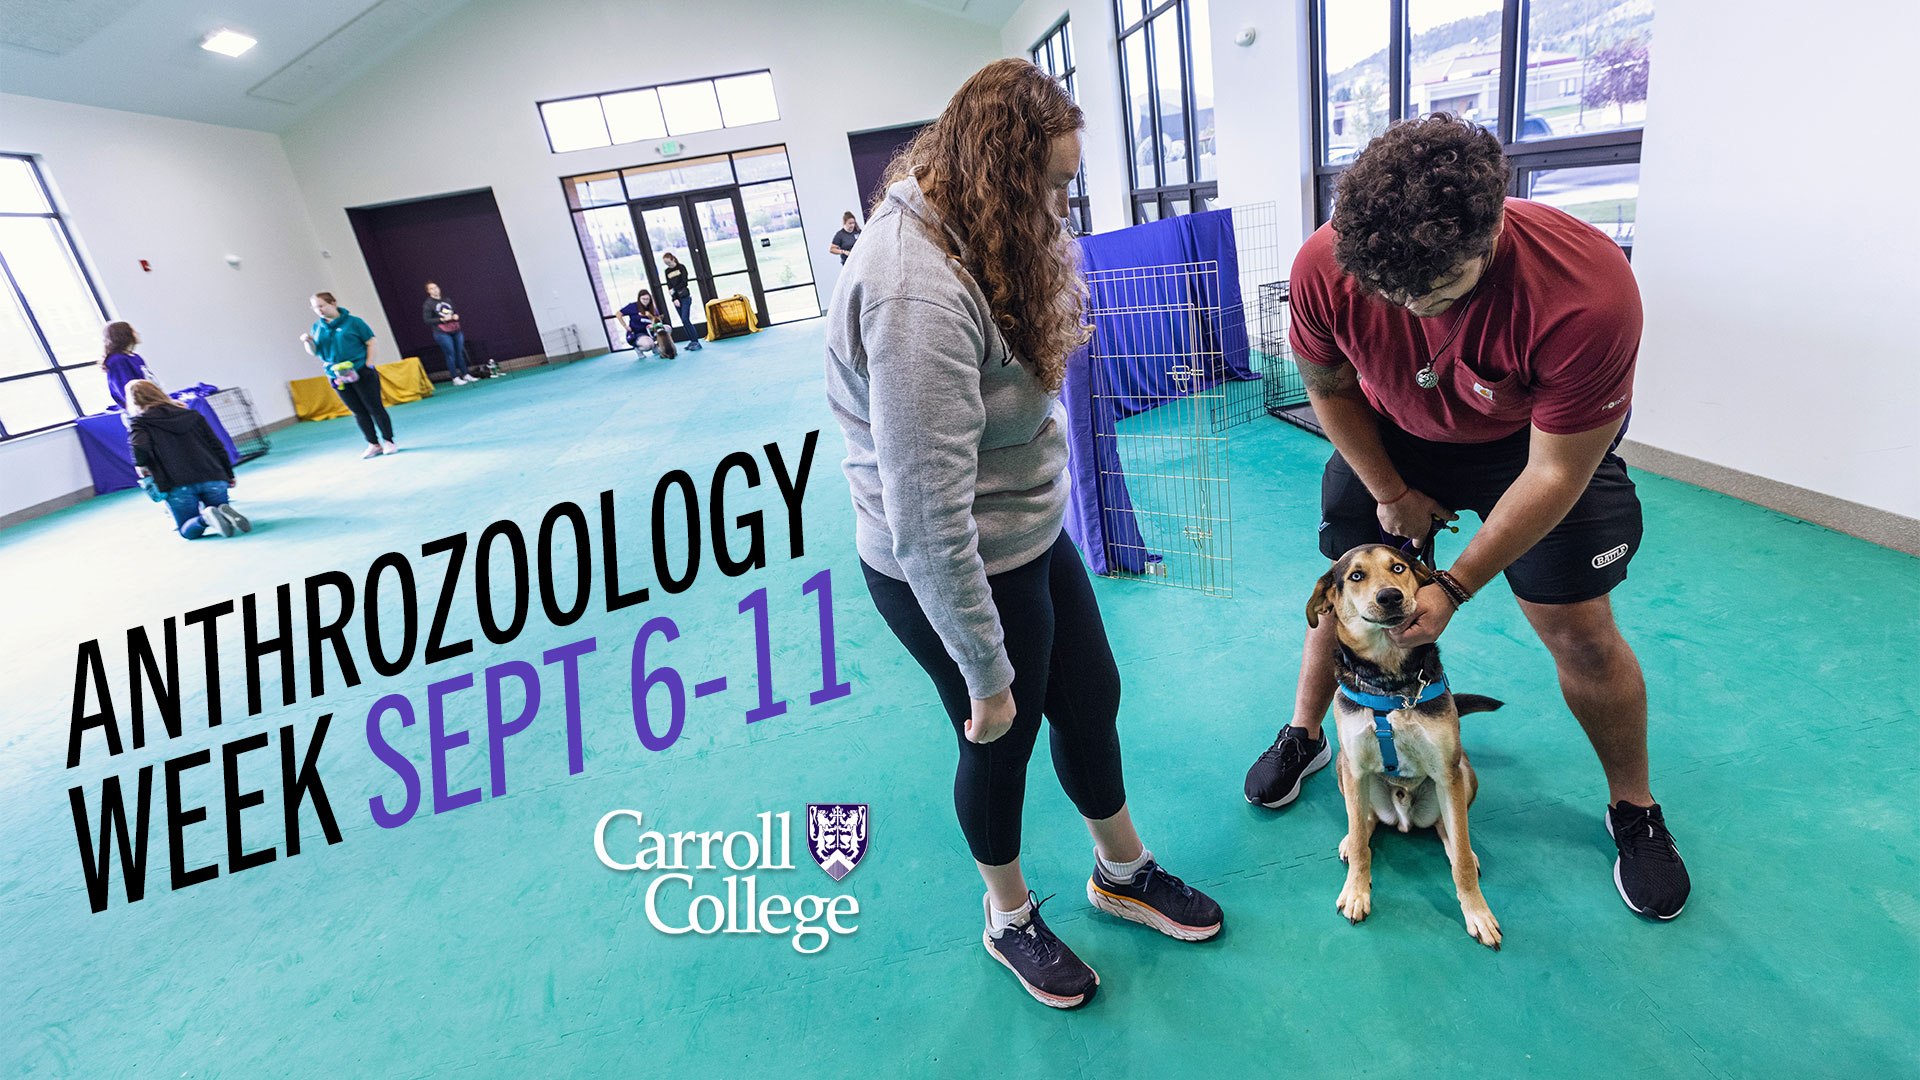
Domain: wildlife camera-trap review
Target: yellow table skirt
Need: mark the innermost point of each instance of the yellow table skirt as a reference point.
(400, 382)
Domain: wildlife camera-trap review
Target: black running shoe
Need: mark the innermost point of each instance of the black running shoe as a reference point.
(234, 517)
(1274, 780)
(1040, 960)
(1649, 874)
(1156, 898)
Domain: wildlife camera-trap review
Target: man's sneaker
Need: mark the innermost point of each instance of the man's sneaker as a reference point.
(1040, 960)
(1649, 874)
(1153, 897)
(234, 517)
(214, 519)
(1274, 780)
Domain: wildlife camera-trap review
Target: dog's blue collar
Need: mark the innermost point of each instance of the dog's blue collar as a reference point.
(1382, 705)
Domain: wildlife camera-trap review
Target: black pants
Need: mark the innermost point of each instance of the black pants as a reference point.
(1062, 669)
(362, 396)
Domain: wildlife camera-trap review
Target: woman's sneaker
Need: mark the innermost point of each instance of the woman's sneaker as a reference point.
(1153, 897)
(234, 517)
(1040, 960)
(1274, 780)
(214, 519)
(371, 452)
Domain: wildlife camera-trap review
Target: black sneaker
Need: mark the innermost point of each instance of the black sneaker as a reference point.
(1649, 874)
(1274, 780)
(1040, 960)
(212, 518)
(234, 517)
(1156, 898)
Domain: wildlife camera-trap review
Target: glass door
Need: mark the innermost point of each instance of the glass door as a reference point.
(704, 232)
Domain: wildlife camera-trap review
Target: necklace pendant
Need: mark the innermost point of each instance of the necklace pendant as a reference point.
(1426, 378)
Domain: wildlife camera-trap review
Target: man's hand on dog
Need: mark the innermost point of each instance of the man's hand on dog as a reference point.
(1413, 515)
(1433, 609)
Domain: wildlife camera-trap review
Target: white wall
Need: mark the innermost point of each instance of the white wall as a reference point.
(1778, 249)
(183, 196)
(1262, 117)
(847, 65)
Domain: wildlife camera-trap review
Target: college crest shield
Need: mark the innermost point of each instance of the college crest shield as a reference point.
(837, 836)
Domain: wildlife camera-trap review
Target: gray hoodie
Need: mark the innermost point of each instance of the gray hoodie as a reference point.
(956, 454)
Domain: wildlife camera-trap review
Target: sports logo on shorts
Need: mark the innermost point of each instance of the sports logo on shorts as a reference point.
(837, 836)
(1612, 555)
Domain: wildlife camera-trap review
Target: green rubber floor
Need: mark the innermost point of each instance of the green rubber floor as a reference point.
(489, 941)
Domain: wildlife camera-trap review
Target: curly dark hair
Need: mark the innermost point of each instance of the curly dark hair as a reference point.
(983, 164)
(1419, 200)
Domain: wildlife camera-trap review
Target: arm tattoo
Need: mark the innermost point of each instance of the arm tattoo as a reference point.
(1326, 381)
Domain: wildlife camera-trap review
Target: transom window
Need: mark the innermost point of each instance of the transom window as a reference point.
(658, 112)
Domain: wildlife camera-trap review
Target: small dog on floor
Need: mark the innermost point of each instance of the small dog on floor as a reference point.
(1400, 760)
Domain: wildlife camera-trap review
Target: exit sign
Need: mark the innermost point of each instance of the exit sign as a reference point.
(671, 148)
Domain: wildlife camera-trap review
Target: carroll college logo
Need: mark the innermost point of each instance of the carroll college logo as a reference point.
(837, 836)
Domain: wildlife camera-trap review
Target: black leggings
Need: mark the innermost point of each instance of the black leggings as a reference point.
(362, 396)
(1062, 668)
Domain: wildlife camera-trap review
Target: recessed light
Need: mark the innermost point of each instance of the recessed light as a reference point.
(227, 42)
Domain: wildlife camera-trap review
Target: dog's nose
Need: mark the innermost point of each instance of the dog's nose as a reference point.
(1388, 597)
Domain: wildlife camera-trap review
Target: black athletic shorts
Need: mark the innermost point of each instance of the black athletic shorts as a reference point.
(1584, 556)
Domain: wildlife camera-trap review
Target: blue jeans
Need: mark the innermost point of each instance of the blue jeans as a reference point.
(185, 502)
(685, 304)
(454, 347)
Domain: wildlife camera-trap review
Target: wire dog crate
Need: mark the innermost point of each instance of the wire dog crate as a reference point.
(235, 410)
(1256, 241)
(1158, 390)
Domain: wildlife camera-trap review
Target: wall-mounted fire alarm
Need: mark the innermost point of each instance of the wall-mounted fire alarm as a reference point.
(146, 266)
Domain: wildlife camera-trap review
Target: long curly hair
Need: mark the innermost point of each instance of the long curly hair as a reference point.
(1419, 200)
(983, 166)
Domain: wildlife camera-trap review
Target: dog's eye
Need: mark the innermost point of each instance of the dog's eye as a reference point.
(1399, 569)
(1357, 575)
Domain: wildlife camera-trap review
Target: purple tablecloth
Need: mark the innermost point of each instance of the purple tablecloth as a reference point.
(103, 438)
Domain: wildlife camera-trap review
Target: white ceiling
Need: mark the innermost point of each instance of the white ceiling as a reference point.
(145, 56)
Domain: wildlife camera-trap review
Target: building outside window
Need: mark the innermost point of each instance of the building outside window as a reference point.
(1563, 83)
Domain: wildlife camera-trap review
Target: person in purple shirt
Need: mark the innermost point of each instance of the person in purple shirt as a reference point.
(121, 363)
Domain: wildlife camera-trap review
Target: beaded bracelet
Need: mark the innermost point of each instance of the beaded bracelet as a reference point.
(1455, 591)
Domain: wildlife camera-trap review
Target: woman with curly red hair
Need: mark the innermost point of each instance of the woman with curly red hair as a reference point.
(946, 347)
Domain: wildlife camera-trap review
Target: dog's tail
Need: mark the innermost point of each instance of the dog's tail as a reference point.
(1472, 703)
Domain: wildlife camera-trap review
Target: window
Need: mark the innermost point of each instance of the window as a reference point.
(1053, 54)
(50, 315)
(1569, 115)
(1166, 77)
(657, 112)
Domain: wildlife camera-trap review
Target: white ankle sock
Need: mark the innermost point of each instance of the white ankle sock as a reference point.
(1123, 871)
(999, 920)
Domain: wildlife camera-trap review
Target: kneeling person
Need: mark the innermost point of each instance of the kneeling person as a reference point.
(1466, 351)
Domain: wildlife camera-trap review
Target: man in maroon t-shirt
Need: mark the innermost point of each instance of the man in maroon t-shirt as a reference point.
(1466, 351)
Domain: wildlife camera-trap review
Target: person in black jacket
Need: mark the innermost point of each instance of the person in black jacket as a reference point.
(444, 320)
(677, 288)
(189, 466)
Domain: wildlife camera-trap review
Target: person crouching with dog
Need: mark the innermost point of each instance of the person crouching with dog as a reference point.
(946, 347)
(189, 466)
(1467, 351)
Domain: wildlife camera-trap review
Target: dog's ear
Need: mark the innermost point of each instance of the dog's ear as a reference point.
(1422, 573)
(1320, 600)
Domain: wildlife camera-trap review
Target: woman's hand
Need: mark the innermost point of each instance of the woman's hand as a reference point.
(306, 339)
(991, 718)
(1412, 515)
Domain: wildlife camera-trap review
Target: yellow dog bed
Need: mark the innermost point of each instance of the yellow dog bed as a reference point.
(400, 382)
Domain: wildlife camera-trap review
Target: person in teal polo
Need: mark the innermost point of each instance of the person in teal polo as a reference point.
(344, 343)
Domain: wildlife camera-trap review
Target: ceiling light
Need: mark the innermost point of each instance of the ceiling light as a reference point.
(227, 42)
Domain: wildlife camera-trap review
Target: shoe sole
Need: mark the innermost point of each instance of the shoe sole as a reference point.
(1052, 1001)
(219, 524)
(1135, 911)
(1622, 889)
(235, 518)
(1319, 762)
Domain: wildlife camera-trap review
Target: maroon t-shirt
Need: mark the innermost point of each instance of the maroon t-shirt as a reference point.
(1548, 338)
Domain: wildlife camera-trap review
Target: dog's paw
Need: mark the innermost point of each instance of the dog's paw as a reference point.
(1483, 926)
(1356, 900)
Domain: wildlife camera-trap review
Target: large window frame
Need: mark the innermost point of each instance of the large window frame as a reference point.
(54, 368)
(1053, 54)
(1158, 199)
(667, 128)
(1529, 156)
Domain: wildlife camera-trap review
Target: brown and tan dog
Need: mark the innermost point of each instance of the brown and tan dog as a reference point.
(1400, 760)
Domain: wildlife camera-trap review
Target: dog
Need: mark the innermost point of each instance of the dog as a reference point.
(1400, 760)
